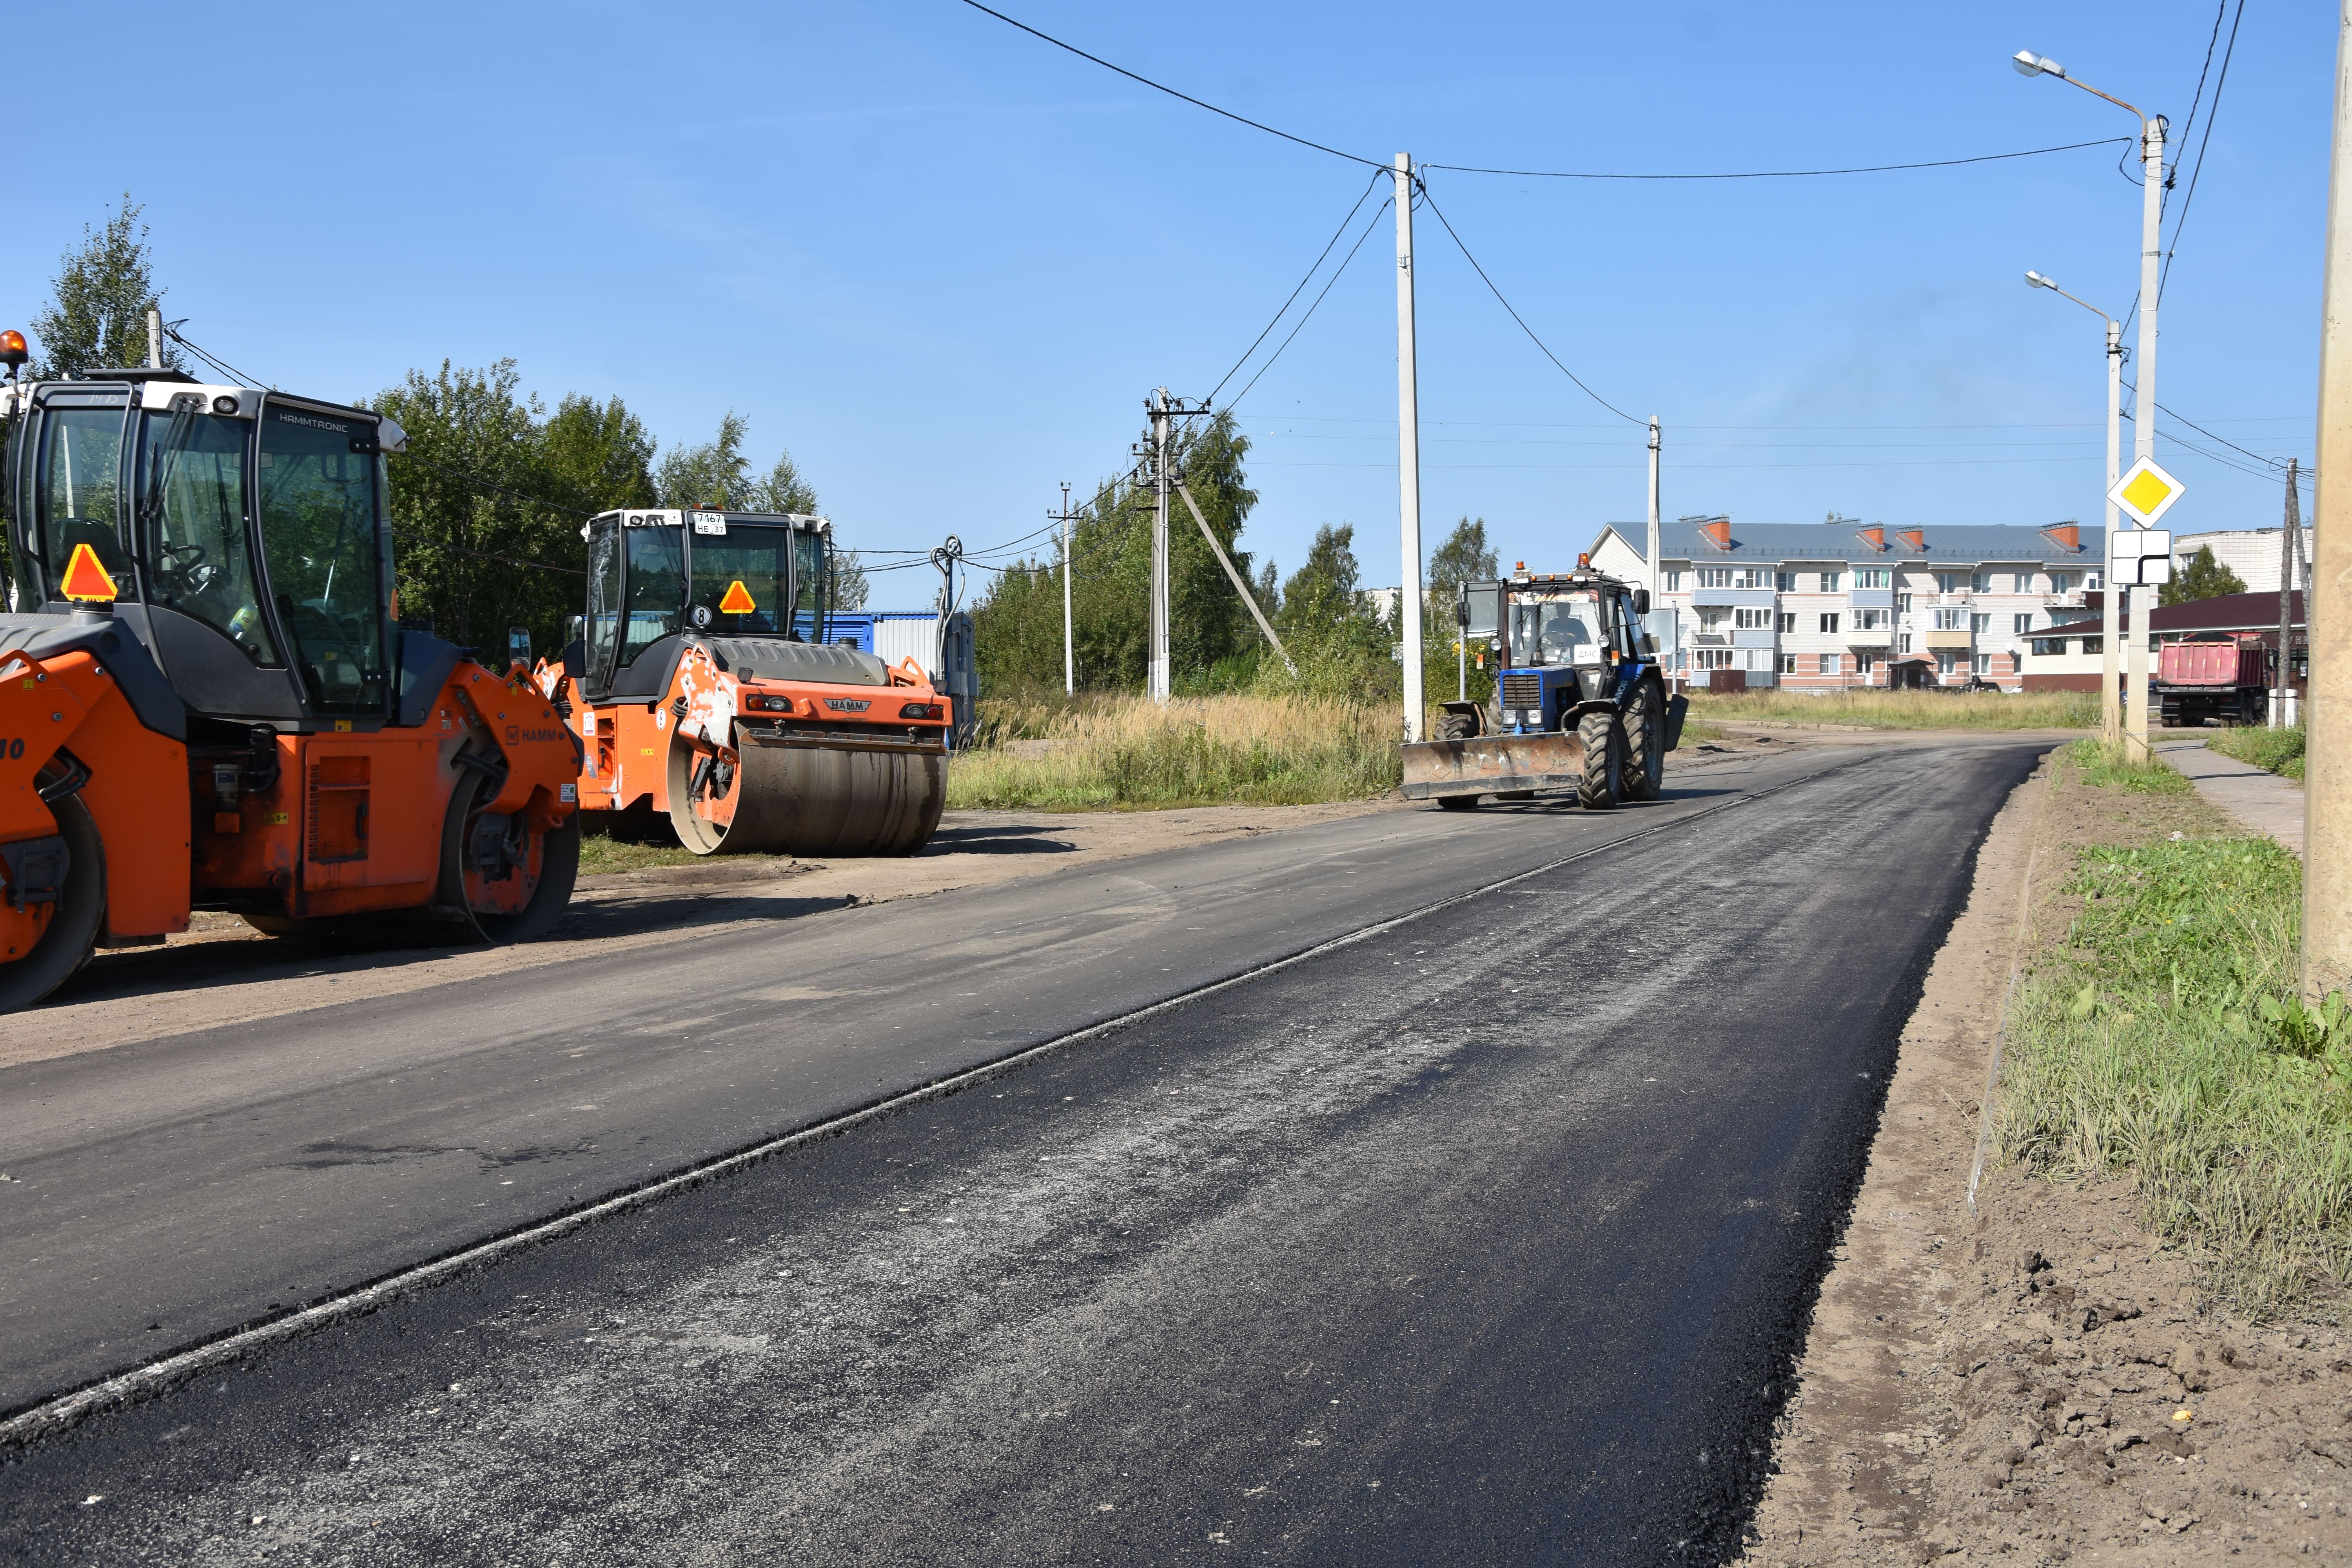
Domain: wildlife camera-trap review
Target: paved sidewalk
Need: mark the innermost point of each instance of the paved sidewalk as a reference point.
(2262, 801)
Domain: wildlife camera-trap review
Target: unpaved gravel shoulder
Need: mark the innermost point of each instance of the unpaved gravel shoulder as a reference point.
(2011, 1388)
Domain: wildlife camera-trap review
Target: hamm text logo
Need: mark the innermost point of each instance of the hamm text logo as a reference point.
(848, 704)
(517, 734)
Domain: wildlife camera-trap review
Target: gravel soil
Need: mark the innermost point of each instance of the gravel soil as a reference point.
(2045, 1382)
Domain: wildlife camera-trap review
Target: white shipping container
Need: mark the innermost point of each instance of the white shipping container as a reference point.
(902, 633)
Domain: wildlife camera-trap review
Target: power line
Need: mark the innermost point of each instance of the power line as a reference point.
(2189, 195)
(1303, 282)
(1779, 173)
(1310, 316)
(1159, 86)
(1530, 331)
(221, 365)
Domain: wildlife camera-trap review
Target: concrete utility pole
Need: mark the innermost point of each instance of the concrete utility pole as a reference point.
(1653, 510)
(154, 338)
(1157, 405)
(1408, 455)
(1069, 647)
(2327, 589)
(2289, 536)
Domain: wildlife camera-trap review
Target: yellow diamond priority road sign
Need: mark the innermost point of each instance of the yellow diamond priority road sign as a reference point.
(2145, 492)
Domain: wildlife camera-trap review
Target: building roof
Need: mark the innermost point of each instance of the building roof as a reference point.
(2224, 613)
(1966, 544)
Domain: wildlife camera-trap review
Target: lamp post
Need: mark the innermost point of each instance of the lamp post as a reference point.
(2152, 129)
(2110, 709)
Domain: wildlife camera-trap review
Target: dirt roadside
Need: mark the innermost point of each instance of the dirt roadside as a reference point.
(2043, 1383)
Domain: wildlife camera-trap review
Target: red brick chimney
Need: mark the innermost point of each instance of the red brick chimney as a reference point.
(1717, 529)
(2065, 535)
(1875, 537)
(1917, 538)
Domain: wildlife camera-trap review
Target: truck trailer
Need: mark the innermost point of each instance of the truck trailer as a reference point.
(2225, 678)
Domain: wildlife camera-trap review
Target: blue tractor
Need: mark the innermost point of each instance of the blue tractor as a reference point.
(1580, 702)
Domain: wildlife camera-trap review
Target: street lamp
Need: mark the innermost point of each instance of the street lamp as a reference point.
(2152, 129)
(2110, 714)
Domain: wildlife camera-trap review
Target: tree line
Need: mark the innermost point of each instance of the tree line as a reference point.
(487, 502)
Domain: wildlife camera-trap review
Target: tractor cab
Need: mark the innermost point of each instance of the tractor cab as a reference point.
(754, 588)
(1563, 642)
(240, 534)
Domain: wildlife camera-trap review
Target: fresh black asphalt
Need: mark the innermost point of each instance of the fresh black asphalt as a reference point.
(1487, 1237)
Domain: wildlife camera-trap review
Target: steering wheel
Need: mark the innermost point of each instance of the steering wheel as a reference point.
(184, 567)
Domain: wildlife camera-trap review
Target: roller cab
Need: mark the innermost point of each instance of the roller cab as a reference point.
(204, 572)
(707, 700)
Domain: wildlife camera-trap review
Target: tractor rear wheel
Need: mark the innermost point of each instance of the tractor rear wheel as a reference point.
(1645, 743)
(1604, 739)
(1456, 727)
(63, 933)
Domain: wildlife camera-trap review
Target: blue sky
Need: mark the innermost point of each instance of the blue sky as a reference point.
(944, 262)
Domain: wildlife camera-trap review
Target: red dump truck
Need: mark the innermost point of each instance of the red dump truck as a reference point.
(2226, 678)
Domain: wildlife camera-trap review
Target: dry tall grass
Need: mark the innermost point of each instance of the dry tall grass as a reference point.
(1120, 753)
(1906, 709)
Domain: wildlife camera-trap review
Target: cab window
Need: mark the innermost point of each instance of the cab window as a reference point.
(193, 485)
(656, 589)
(603, 629)
(79, 490)
(317, 489)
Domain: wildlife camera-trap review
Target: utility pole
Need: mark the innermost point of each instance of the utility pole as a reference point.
(2327, 589)
(2152, 127)
(1409, 454)
(2289, 536)
(1069, 648)
(1156, 405)
(2111, 695)
(1654, 578)
(154, 338)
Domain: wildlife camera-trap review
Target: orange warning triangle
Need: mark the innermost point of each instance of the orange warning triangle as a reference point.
(84, 579)
(738, 601)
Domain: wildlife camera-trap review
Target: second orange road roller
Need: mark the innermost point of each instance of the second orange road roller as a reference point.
(708, 699)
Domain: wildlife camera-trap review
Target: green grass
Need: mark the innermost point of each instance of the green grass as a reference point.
(1128, 754)
(1906, 709)
(2103, 764)
(2280, 750)
(600, 854)
(2164, 1043)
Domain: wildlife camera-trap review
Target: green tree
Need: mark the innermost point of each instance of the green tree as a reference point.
(599, 456)
(714, 474)
(1466, 556)
(479, 546)
(96, 314)
(2202, 578)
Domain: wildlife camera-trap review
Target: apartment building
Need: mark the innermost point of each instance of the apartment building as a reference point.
(1824, 606)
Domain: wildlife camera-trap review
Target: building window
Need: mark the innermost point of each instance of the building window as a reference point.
(1948, 581)
(1714, 618)
(1902, 603)
(1946, 661)
(1828, 664)
(1864, 662)
(2016, 662)
(1788, 620)
(1785, 582)
(1981, 665)
(1870, 577)
(1870, 620)
(1829, 622)
(1902, 642)
(1710, 659)
(2097, 644)
(2091, 582)
(2048, 647)
(2024, 583)
(1949, 620)
(2020, 625)
(1715, 576)
(1751, 577)
(1788, 664)
(1829, 582)
(1674, 582)
(1979, 581)
(1758, 620)
(1981, 625)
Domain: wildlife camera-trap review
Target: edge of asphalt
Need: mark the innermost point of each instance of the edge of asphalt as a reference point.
(60, 1412)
